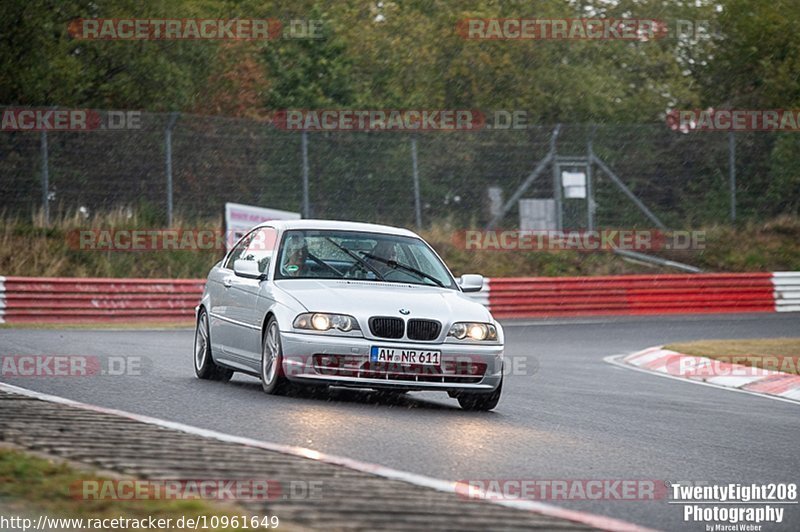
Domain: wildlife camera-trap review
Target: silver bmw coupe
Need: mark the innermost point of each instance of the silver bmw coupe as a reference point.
(330, 303)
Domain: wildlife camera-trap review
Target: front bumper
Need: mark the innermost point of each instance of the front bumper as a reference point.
(464, 367)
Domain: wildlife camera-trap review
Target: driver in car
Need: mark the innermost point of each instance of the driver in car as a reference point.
(294, 262)
(385, 250)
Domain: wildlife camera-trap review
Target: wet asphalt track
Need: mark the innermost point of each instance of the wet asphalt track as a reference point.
(567, 415)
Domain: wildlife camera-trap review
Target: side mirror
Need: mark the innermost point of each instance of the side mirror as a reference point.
(247, 268)
(471, 282)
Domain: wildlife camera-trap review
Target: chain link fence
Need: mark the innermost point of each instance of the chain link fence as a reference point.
(397, 178)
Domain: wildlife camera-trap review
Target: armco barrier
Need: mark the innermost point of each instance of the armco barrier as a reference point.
(787, 291)
(632, 294)
(42, 299)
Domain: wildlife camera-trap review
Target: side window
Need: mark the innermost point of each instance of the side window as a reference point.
(238, 250)
(261, 247)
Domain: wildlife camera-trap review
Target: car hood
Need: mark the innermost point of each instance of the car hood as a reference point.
(363, 299)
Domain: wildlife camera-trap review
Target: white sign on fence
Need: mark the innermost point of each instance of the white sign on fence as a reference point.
(240, 218)
(537, 214)
(574, 184)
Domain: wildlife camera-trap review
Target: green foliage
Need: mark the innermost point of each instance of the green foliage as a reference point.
(408, 55)
(756, 58)
(42, 65)
(309, 73)
(783, 192)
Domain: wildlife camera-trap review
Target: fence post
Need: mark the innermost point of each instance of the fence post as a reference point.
(168, 149)
(732, 171)
(557, 191)
(589, 184)
(415, 174)
(306, 201)
(45, 178)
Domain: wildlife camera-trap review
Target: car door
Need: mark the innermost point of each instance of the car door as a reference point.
(216, 305)
(246, 306)
(223, 330)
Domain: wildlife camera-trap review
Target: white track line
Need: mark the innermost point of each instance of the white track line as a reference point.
(616, 360)
(593, 520)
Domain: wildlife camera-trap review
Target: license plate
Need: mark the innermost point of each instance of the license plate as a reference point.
(399, 355)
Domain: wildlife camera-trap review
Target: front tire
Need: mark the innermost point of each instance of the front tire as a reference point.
(204, 366)
(480, 402)
(273, 381)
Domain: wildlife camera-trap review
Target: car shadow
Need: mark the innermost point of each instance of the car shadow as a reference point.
(341, 395)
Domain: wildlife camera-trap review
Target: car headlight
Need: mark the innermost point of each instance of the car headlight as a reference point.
(322, 321)
(473, 331)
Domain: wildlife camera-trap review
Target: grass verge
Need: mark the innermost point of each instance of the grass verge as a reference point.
(32, 485)
(778, 354)
(49, 251)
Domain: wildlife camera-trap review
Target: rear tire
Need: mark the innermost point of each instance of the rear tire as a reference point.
(204, 366)
(480, 402)
(273, 381)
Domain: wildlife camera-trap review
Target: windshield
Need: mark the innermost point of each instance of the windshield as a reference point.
(316, 254)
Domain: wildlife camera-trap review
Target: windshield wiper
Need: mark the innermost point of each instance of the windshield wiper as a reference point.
(356, 257)
(395, 264)
(324, 264)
